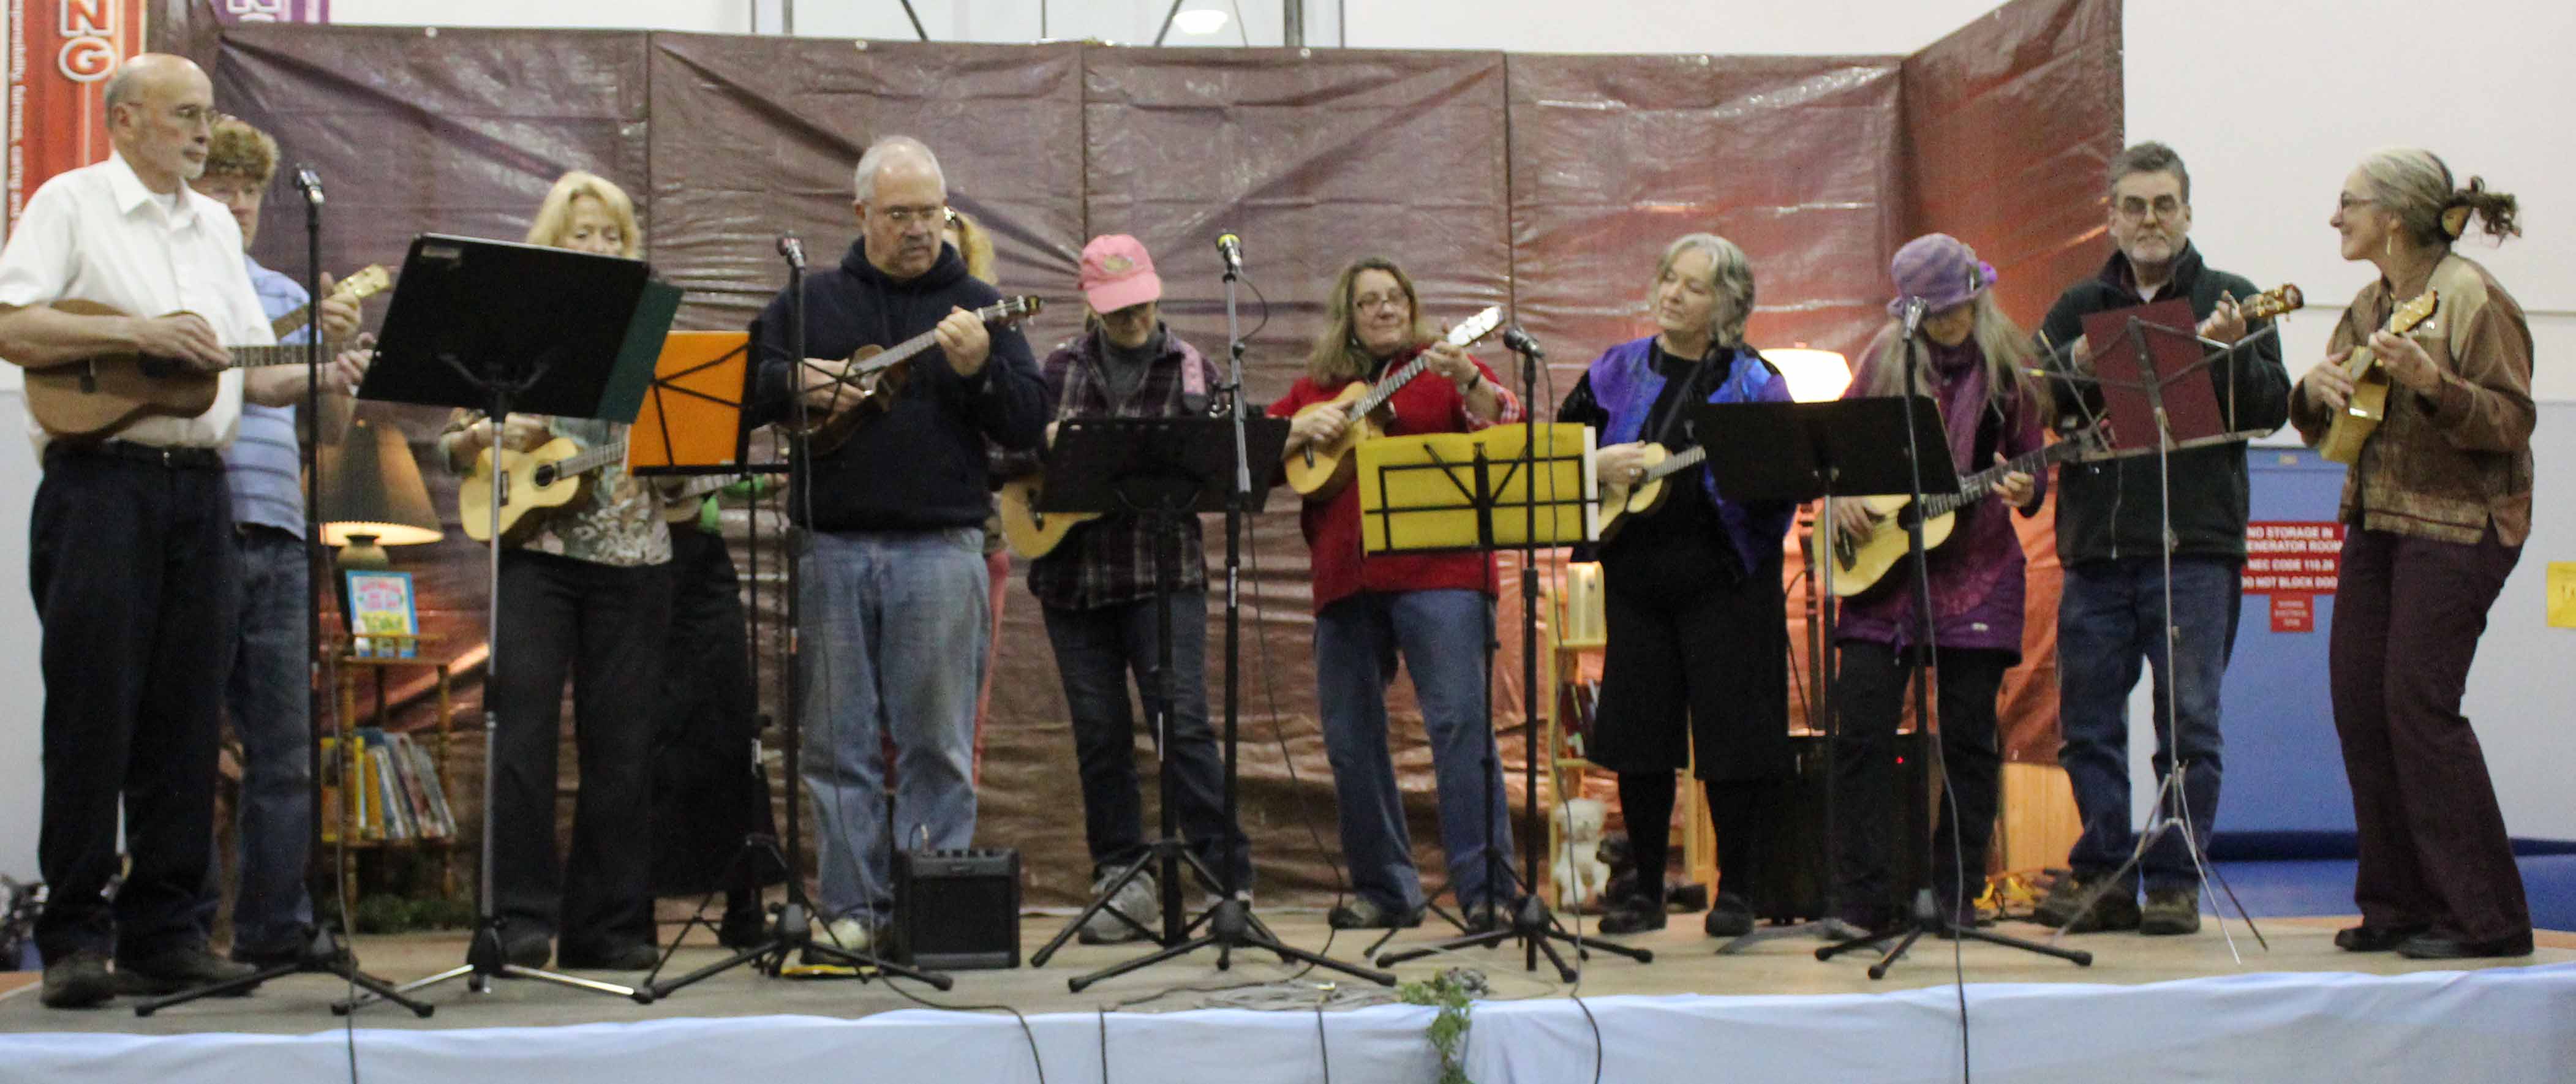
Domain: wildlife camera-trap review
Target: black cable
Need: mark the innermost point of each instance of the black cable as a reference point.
(1556, 576)
(1323, 1052)
(1025, 1031)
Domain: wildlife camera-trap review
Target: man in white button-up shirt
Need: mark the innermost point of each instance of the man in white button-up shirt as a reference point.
(131, 562)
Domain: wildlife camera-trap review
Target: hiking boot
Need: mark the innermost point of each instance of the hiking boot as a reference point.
(1362, 913)
(2170, 912)
(1137, 901)
(78, 981)
(173, 970)
(2115, 910)
(849, 933)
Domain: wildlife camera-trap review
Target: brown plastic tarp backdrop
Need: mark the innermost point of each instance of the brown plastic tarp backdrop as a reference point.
(1544, 183)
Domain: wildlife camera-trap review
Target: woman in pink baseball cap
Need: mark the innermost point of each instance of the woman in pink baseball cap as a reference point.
(1096, 588)
(1974, 363)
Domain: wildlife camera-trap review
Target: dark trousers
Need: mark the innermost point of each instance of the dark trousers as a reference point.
(1095, 652)
(602, 625)
(1870, 790)
(131, 564)
(708, 794)
(2407, 618)
(1740, 811)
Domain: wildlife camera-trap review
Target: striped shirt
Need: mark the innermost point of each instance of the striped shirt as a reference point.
(264, 464)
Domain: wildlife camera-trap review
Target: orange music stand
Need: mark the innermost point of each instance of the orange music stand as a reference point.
(691, 420)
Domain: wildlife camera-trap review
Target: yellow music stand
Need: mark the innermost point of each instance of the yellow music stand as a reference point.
(1447, 492)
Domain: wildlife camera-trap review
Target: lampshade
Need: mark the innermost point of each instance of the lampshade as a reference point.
(1814, 375)
(371, 486)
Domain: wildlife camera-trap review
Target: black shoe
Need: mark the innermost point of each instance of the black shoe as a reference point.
(78, 981)
(633, 957)
(2436, 945)
(742, 928)
(1362, 913)
(1635, 914)
(2369, 938)
(173, 970)
(1728, 916)
(529, 950)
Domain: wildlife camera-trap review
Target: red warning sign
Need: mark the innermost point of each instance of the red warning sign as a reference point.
(2294, 613)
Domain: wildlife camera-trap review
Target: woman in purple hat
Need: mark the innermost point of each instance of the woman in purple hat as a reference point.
(1974, 363)
(1096, 588)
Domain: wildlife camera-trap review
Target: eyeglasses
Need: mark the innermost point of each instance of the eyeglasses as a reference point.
(2348, 201)
(905, 216)
(1366, 302)
(194, 115)
(2139, 210)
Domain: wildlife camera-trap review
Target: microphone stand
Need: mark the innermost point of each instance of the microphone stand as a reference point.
(324, 953)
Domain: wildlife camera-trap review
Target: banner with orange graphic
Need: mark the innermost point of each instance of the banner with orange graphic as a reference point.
(60, 55)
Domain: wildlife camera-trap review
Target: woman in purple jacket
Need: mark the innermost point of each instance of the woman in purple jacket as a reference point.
(1975, 365)
(1696, 660)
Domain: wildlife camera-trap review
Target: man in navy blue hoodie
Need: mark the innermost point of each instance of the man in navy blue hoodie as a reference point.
(894, 605)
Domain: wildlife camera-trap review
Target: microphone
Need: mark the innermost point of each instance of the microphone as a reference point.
(1913, 316)
(1230, 249)
(309, 183)
(793, 249)
(1519, 340)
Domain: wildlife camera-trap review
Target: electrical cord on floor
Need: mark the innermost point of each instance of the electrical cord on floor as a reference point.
(1556, 577)
(892, 983)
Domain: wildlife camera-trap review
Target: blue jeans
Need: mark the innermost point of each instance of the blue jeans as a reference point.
(1442, 637)
(267, 701)
(1095, 651)
(896, 623)
(2110, 620)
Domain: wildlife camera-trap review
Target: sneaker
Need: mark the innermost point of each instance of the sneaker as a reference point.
(2170, 912)
(1729, 916)
(1635, 914)
(2116, 910)
(1362, 913)
(1137, 900)
(78, 981)
(849, 933)
(1485, 918)
(173, 970)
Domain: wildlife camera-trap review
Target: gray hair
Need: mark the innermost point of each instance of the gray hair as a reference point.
(2150, 157)
(2414, 185)
(863, 180)
(1730, 276)
(124, 87)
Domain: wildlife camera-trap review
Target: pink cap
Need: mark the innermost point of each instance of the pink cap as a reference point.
(1116, 273)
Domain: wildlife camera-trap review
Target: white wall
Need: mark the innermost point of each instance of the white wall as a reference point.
(2271, 104)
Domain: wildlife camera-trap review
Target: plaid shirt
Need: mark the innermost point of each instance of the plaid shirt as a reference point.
(1110, 561)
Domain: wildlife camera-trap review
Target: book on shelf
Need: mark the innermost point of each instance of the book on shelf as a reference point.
(397, 819)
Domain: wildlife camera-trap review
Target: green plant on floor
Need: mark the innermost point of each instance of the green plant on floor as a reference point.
(1452, 992)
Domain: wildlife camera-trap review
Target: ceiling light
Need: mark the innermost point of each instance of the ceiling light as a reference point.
(1200, 21)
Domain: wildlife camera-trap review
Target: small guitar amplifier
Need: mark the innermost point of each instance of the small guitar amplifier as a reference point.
(957, 910)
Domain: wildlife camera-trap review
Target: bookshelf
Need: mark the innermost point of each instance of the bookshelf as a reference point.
(397, 803)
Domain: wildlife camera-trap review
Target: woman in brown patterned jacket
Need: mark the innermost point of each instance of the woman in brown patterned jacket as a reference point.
(2435, 510)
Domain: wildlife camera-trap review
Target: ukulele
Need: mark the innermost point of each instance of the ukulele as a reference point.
(878, 374)
(1032, 533)
(1861, 565)
(1319, 471)
(544, 480)
(98, 396)
(2368, 406)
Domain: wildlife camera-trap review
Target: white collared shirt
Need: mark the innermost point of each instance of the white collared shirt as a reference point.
(97, 234)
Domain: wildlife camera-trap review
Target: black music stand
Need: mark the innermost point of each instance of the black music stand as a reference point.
(465, 331)
(1165, 469)
(2165, 407)
(1854, 448)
